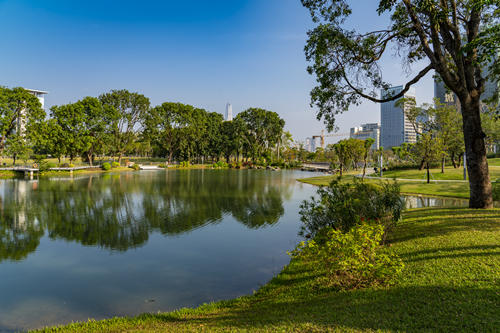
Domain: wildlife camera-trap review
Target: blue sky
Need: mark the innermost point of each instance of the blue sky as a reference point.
(204, 53)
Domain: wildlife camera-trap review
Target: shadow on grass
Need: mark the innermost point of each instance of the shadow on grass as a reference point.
(408, 309)
(438, 221)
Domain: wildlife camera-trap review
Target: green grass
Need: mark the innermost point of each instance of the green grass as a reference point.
(450, 284)
(450, 173)
(494, 161)
(447, 189)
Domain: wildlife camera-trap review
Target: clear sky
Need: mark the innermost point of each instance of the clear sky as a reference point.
(204, 53)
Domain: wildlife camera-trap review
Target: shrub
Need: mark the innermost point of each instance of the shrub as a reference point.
(341, 206)
(352, 260)
(106, 166)
(220, 165)
(115, 164)
(51, 165)
(71, 165)
(184, 164)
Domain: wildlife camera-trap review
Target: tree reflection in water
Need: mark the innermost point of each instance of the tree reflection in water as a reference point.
(120, 211)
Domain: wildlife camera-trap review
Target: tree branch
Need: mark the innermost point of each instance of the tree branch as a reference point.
(407, 86)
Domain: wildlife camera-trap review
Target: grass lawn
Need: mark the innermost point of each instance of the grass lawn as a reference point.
(451, 283)
(454, 190)
(449, 173)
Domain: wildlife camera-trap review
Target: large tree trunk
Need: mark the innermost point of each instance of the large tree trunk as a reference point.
(475, 150)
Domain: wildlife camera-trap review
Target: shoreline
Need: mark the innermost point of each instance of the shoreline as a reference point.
(295, 300)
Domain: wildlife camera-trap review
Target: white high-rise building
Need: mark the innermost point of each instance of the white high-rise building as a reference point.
(395, 127)
(21, 122)
(366, 131)
(229, 112)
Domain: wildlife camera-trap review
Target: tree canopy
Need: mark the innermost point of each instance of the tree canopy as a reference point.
(456, 39)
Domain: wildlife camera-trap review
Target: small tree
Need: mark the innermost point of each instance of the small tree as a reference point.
(367, 145)
(429, 149)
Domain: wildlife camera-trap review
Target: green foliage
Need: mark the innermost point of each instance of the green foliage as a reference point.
(184, 164)
(352, 260)
(130, 109)
(19, 112)
(106, 166)
(341, 206)
(135, 166)
(115, 164)
(496, 189)
(220, 165)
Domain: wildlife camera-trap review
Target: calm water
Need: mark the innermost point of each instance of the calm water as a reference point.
(123, 244)
(128, 243)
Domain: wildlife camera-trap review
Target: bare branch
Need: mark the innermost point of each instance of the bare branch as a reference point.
(407, 86)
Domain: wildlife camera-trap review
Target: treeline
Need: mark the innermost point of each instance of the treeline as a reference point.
(121, 123)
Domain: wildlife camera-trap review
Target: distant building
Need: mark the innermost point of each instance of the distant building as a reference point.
(366, 131)
(229, 112)
(395, 127)
(445, 96)
(40, 94)
(310, 145)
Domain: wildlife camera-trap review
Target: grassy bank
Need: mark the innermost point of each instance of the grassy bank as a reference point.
(448, 189)
(450, 283)
(450, 173)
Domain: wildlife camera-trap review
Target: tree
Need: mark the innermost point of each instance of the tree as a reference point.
(17, 147)
(367, 145)
(82, 127)
(429, 148)
(264, 130)
(131, 108)
(343, 154)
(456, 39)
(19, 110)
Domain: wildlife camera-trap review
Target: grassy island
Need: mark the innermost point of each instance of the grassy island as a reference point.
(450, 283)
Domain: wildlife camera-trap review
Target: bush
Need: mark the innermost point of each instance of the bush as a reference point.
(352, 260)
(220, 165)
(115, 164)
(136, 167)
(106, 166)
(51, 165)
(341, 206)
(184, 164)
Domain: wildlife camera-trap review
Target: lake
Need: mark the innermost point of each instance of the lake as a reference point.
(104, 245)
(122, 244)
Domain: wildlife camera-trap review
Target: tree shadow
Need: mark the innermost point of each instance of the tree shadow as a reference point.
(420, 308)
(438, 221)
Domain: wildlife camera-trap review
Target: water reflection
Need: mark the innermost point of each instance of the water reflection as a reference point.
(422, 202)
(120, 211)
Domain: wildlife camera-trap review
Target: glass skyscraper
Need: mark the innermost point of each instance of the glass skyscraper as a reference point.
(395, 127)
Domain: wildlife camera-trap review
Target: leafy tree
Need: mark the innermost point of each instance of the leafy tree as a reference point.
(17, 147)
(367, 144)
(429, 148)
(131, 108)
(456, 39)
(343, 154)
(491, 122)
(81, 127)
(19, 110)
(264, 130)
